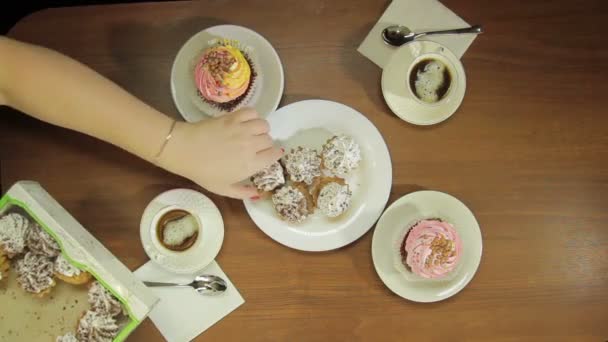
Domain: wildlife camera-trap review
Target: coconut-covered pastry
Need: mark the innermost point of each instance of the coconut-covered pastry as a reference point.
(13, 233)
(101, 300)
(35, 273)
(293, 203)
(69, 273)
(69, 337)
(270, 178)
(40, 242)
(96, 326)
(303, 165)
(332, 196)
(341, 154)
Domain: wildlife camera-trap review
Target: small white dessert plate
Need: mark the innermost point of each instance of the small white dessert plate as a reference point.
(210, 237)
(406, 211)
(267, 64)
(396, 83)
(310, 124)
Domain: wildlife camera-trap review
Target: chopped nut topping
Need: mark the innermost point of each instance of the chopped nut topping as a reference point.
(442, 249)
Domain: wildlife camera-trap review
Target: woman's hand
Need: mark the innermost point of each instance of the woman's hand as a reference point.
(219, 153)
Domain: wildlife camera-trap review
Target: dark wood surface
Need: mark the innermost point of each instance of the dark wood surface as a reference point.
(527, 151)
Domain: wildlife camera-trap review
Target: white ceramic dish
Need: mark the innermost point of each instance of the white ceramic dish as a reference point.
(268, 83)
(310, 124)
(211, 233)
(397, 91)
(407, 210)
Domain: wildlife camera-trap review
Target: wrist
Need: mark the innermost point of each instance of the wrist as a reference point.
(164, 142)
(171, 156)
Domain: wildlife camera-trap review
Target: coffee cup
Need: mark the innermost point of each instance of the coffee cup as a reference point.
(432, 79)
(176, 230)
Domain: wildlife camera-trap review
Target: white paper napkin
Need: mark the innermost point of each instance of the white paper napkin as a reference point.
(419, 16)
(182, 314)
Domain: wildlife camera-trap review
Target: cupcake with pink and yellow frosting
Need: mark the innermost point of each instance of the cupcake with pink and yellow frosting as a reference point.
(431, 249)
(224, 76)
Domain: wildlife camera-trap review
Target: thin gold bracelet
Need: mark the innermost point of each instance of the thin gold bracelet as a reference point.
(165, 142)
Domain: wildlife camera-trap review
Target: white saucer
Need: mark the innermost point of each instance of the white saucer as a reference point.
(407, 210)
(210, 239)
(310, 124)
(268, 83)
(402, 101)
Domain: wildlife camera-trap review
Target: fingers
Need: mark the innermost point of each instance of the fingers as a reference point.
(241, 191)
(267, 157)
(245, 114)
(261, 142)
(257, 126)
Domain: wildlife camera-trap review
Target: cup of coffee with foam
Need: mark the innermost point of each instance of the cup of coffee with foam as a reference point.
(431, 79)
(176, 229)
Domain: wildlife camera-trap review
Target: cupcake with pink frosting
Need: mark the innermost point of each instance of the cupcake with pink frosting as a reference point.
(431, 249)
(224, 76)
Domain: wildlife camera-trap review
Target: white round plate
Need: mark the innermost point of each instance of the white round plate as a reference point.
(398, 94)
(407, 210)
(268, 83)
(210, 239)
(310, 124)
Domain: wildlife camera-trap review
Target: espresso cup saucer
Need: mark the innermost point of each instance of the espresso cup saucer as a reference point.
(210, 236)
(396, 84)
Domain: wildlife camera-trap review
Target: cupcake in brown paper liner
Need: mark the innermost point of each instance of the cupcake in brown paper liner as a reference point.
(427, 249)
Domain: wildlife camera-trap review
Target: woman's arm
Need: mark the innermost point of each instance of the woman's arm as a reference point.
(59, 90)
(63, 92)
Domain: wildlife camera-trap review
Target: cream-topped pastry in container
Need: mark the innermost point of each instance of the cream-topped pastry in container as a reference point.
(97, 326)
(101, 300)
(69, 337)
(69, 273)
(13, 231)
(101, 322)
(40, 242)
(35, 274)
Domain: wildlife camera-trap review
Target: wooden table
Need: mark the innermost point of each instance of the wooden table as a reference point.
(527, 151)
